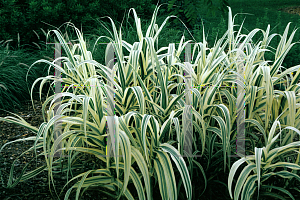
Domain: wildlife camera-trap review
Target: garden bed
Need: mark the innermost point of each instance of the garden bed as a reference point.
(37, 187)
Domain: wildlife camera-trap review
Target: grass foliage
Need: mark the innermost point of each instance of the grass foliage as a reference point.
(150, 102)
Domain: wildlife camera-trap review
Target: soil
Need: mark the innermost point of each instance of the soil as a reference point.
(37, 187)
(291, 10)
(10, 132)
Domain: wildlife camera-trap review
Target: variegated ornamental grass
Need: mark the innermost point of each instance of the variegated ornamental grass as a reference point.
(148, 116)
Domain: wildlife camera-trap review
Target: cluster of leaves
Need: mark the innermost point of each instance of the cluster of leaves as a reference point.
(292, 58)
(151, 115)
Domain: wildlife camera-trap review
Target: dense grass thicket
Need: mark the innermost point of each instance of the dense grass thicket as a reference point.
(25, 37)
(147, 102)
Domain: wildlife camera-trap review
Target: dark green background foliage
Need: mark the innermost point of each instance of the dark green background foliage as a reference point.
(188, 10)
(25, 16)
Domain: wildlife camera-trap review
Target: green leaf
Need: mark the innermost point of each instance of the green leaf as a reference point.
(181, 166)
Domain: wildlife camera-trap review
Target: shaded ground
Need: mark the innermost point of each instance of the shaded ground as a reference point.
(10, 132)
(291, 10)
(36, 188)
